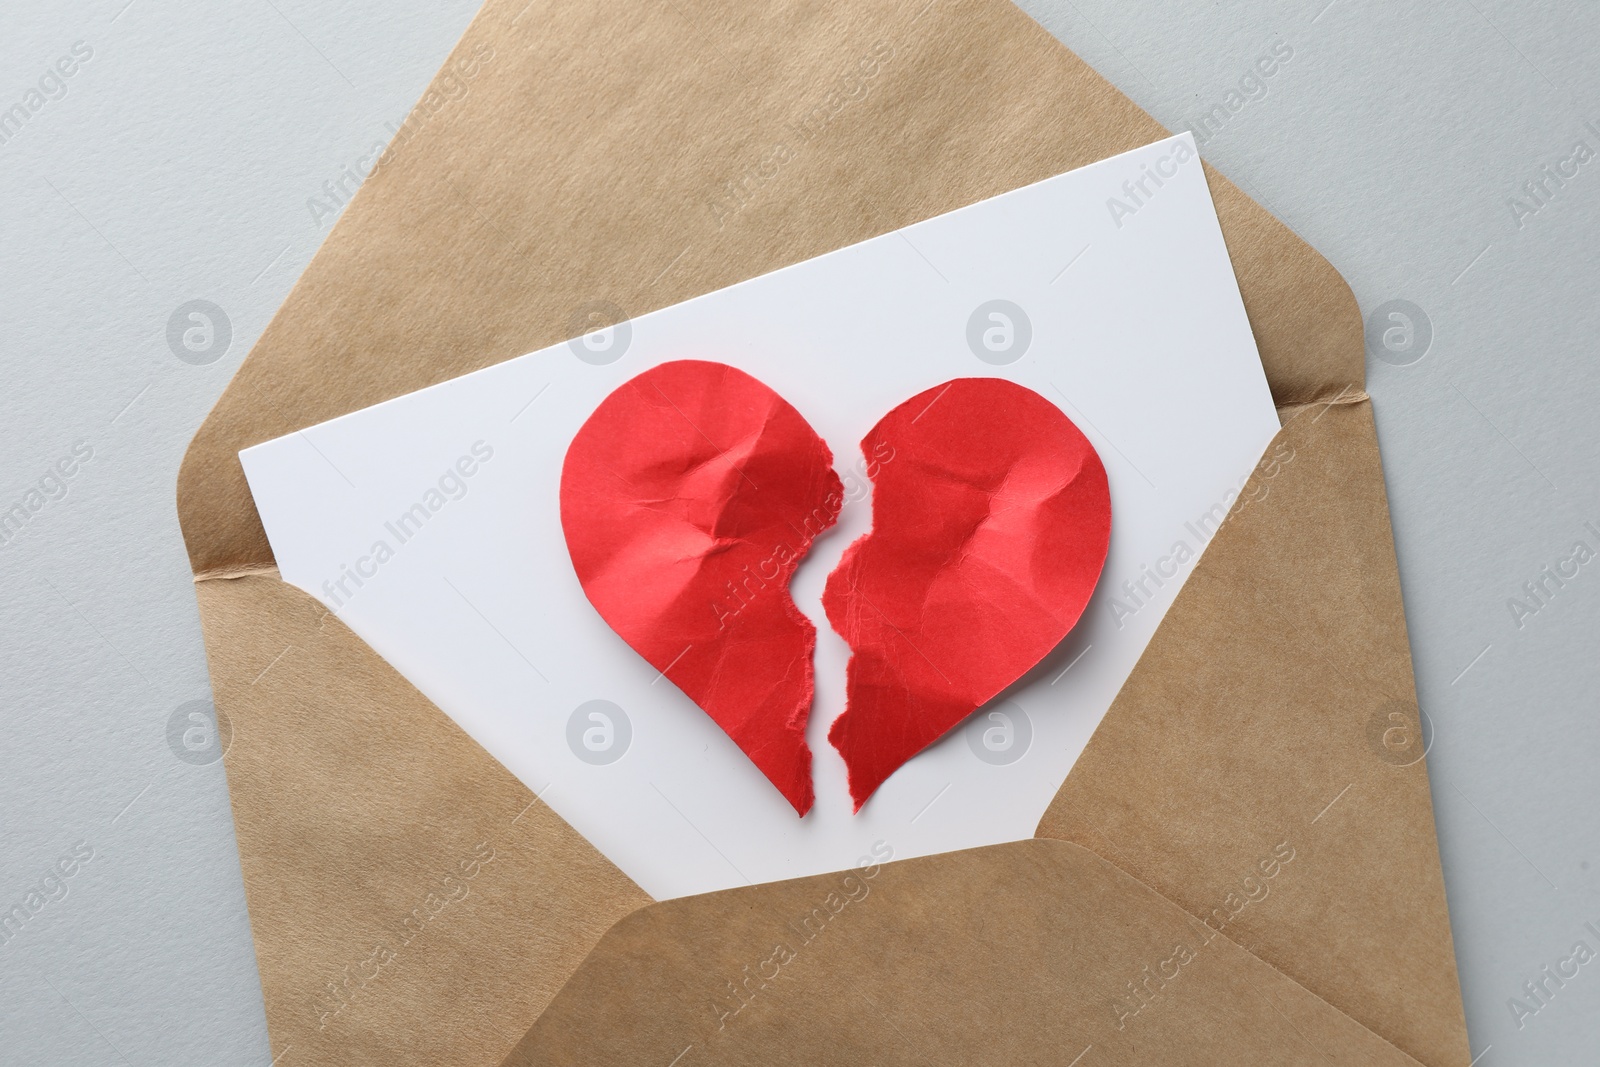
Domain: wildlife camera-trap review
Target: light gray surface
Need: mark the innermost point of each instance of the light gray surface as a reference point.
(178, 166)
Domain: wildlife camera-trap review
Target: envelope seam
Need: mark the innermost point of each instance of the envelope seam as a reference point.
(236, 572)
(1343, 398)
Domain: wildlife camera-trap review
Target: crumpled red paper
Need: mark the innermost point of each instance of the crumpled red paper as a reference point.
(990, 528)
(692, 493)
(687, 500)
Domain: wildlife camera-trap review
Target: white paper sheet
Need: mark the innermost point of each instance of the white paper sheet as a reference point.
(1133, 326)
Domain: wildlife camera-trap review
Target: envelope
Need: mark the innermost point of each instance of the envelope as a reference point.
(411, 901)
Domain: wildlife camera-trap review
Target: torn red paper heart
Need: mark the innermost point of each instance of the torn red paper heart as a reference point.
(990, 528)
(691, 494)
(687, 500)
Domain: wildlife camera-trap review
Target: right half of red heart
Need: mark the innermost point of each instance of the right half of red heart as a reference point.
(991, 518)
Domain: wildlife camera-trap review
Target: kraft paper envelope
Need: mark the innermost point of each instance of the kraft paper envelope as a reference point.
(412, 902)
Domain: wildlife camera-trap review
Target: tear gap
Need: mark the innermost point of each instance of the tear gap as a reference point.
(830, 663)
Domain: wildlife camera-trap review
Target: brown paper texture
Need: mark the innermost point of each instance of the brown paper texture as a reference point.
(571, 154)
(1032, 952)
(1275, 704)
(616, 155)
(395, 873)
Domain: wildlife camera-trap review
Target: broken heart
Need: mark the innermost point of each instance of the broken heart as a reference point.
(691, 494)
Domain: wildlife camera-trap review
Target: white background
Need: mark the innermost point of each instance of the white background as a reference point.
(188, 148)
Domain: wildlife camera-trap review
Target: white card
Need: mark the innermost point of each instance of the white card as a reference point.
(1107, 290)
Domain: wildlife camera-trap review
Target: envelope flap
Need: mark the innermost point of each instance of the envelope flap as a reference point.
(1263, 765)
(410, 900)
(571, 155)
(1031, 952)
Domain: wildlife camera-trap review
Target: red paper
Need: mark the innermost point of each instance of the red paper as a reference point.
(990, 527)
(687, 499)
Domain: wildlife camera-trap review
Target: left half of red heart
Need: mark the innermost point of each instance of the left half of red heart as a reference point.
(688, 499)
